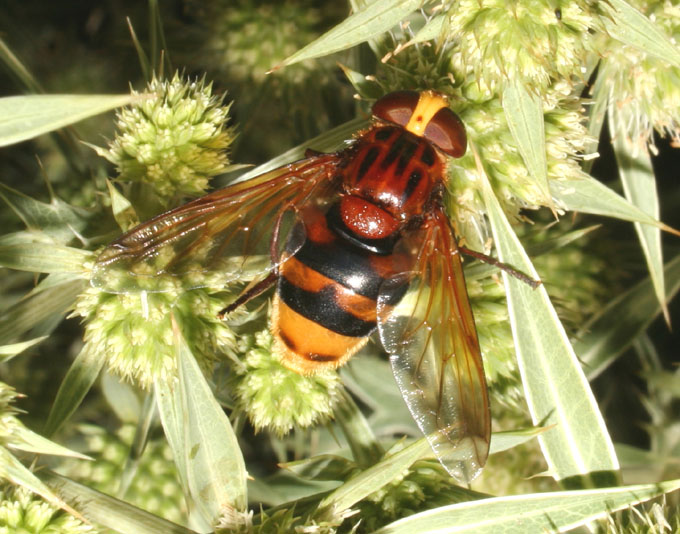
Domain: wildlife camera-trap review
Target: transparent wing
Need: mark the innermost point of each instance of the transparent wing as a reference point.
(432, 341)
(229, 234)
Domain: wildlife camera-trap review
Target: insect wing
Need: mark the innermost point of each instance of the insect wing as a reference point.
(432, 341)
(218, 238)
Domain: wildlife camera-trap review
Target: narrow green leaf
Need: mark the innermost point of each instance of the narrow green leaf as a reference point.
(38, 253)
(25, 117)
(375, 18)
(518, 514)
(432, 30)
(365, 448)
(372, 479)
(108, 511)
(173, 415)
(121, 397)
(26, 440)
(57, 219)
(588, 195)
(639, 186)
(13, 470)
(371, 380)
(202, 438)
(123, 212)
(628, 25)
(602, 339)
(78, 381)
(217, 471)
(7, 352)
(38, 308)
(503, 441)
(524, 114)
(556, 389)
(596, 111)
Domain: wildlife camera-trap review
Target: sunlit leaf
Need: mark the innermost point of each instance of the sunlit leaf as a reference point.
(108, 511)
(556, 389)
(14, 471)
(639, 186)
(7, 352)
(40, 310)
(203, 442)
(57, 219)
(524, 113)
(375, 18)
(559, 511)
(76, 384)
(588, 195)
(38, 253)
(25, 117)
(628, 25)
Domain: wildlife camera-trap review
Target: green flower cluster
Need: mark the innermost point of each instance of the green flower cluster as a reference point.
(644, 86)
(534, 41)
(276, 398)
(174, 138)
(21, 512)
(134, 331)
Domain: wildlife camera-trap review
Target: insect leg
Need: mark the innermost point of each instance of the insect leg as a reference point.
(503, 266)
(250, 293)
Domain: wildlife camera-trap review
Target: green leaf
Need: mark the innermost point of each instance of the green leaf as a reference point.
(371, 380)
(13, 470)
(606, 335)
(57, 219)
(25, 117)
(215, 472)
(38, 253)
(372, 479)
(26, 440)
(588, 195)
(365, 449)
(524, 113)
(518, 514)
(596, 113)
(40, 307)
(556, 389)
(123, 212)
(639, 186)
(108, 511)
(121, 397)
(503, 441)
(76, 384)
(374, 19)
(432, 29)
(7, 352)
(628, 25)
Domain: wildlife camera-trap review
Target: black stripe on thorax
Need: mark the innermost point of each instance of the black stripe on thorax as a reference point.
(403, 147)
(366, 163)
(321, 307)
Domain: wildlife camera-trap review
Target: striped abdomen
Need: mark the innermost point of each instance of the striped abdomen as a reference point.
(325, 304)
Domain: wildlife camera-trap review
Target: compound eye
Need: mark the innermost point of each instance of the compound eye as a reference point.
(447, 132)
(396, 107)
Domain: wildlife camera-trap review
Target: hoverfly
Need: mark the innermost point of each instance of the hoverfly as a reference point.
(355, 241)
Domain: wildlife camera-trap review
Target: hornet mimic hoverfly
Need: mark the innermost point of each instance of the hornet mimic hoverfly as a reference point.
(355, 241)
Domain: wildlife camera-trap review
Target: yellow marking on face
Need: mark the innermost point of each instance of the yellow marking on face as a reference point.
(428, 104)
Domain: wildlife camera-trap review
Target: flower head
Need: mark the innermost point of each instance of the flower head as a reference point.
(174, 140)
(134, 331)
(23, 512)
(276, 398)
